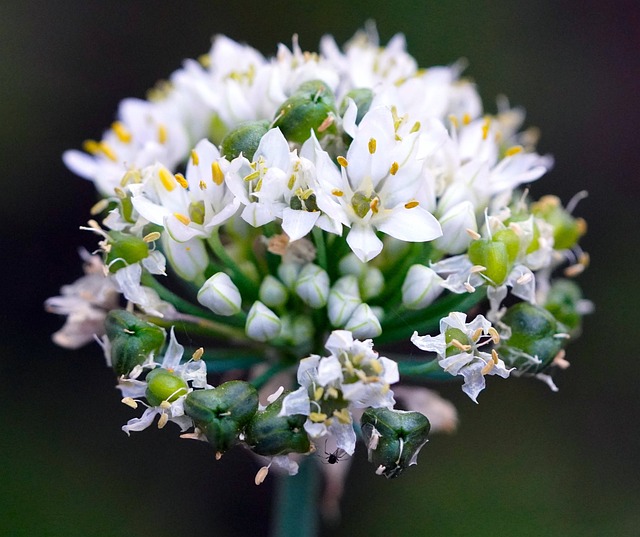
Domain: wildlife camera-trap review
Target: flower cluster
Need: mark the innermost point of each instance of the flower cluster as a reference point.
(276, 207)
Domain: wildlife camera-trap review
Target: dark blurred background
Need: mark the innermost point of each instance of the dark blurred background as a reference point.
(524, 462)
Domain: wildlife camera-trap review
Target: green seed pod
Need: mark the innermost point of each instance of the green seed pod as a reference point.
(510, 240)
(132, 340)
(362, 97)
(533, 332)
(124, 250)
(163, 385)
(567, 230)
(222, 413)
(312, 106)
(562, 301)
(245, 139)
(492, 255)
(270, 434)
(394, 438)
(196, 212)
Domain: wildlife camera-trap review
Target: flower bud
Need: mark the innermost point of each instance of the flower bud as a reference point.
(567, 230)
(270, 434)
(565, 303)
(496, 254)
(344, 298)
(534, 341)
(189, 259)
(313, 286)
(163, 385)
(372, 282)
(124, 250)
(363, 323)
(222, 413)
(362, 97)
(421, 287)
(297, 329)
(393, 438)
(288, 273)
(262, 323)
(311, 107)
(350, 264)
(455, 222)
(220, 295)
(131, 340)
(272, 292)
(245, 139)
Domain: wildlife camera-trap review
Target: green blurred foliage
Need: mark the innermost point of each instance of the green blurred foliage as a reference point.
(524, 462)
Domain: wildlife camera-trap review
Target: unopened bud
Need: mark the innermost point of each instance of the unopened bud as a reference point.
(421, 287)
(245, 139)
(220, 295)
(163, 385)
(455, 225)
(344, 298)
(313, 286)
(363, 323)
(262, 323)
(124, 250)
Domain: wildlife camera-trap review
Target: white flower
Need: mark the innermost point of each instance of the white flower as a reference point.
(458, 349)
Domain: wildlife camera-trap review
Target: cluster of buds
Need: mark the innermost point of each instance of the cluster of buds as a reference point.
(274, 208)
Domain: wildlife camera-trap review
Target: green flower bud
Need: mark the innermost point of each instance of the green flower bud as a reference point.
(196, 212)
(567, 230)
(124, 250)
(493, 256)
(163, 385)
(272, 292)
(563, 301)
(511, 241)
(362, 97)
(223, 412)
(270, 434)
(313, 286)
(534, 333)
(394, 438)
(312, 106)
(244, 139)
(132, 340)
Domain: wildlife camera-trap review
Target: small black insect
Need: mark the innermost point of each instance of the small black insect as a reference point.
(334, 457)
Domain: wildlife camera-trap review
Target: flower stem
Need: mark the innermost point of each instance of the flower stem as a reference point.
(295, 507)
(243, 280)
(200, 326)
(321, 250)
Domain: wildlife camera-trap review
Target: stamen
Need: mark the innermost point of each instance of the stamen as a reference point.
(525, 278)
(108, 151)
(167, 179)
(164, 418)
(261, 475)
(394, 168)
(250, 177)
(91, 146)
(129, 402)
(470, 288)
(485, 128)
(416, 127)
(342, 161)
(99, 207)
(559, 360)
(181, 180)
(573, 202)
(513, 150)
(372, 145)
(332, 393)
(217, 175)
(375, 202)
(318, 393)
(495, 337)
(473, 234)
(466, 118)
(162, 134)
(274, 396)
(218, 455)
(488, 367)
(151, 237)
(121, 132)
(195, 159)
(202, 185)
(328, 121)
(343, 416)
(453, 120)
(477, 268)
(292, 182)
(338, 193)
(197, 354)
(476, 335)
(380, 469)
(166, 405)
(182, 218)
(460, 346)
(494, 356)
(317, 417)
(411, 205)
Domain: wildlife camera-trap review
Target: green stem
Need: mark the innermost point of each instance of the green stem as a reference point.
(295, 507)
(243, 280)
(321, 250)
(202, 327)
(419, 368)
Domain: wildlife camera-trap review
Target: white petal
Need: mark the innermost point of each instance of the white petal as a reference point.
(364, 242)
(297, 224)
(412, 225)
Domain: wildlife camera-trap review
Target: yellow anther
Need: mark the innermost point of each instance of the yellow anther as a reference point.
(470, 288)
(198, 354)
(375, 203)
(453, 120)
(318, 393)
(131, 177)
(91, 146)
(258, 185)
(167, 179)
(328, 121)
(416, 127)
(342, 161)
(216, 173)
(261, 475)
(372, 145)
(164, 418)
(485, 128)
(130, 402)
(394, 168)
(477, 268)
(332, 393)
(581, 226)
(202, 185)
(513, 150)
(494, 356)
(251, 176)
(411, 205)
(195, 159)
(317, 417)
(182, 218)
(121, 132)
(476, 335)
(151, 237)
(99, 207)
(376, 367)
(292, 182)
(488, 367)
(560, 361)
(343, 416)
(338, 193)
(181, 180)
(162, 134)
(466, 118)
(495, 337)
(107, 151)
(165, 405)
(460, 346)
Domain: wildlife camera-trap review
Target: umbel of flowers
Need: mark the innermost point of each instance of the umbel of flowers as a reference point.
(292, 214)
